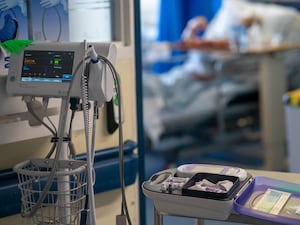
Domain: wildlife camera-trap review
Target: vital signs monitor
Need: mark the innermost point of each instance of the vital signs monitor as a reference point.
(49, 69)
(64, 70)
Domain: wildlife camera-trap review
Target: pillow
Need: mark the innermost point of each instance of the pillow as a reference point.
(276, 20)
(230, 14)
(293, 35)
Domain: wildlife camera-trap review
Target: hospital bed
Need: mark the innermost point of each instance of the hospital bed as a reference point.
(212, 102)
(204, 114)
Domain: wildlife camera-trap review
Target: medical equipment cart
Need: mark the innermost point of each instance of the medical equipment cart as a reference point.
(219, 192)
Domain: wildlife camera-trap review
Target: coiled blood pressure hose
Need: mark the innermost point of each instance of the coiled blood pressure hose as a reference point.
(124, 207)
(85, 105)
(105, 95)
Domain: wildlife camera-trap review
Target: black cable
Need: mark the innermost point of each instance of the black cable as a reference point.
(48, 156)
(70, 144)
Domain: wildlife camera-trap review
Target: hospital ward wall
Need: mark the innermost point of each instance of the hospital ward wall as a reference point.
(108, 203)
(18, 144)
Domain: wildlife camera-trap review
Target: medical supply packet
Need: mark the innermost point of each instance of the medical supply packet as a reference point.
(270, 199)
(211, 186)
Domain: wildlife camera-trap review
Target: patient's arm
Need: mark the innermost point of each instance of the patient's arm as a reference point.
(249, 21)
(190, 40)
(202, 77)
(193, 26)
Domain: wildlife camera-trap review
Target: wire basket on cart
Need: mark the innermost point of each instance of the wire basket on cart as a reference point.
(53, 192)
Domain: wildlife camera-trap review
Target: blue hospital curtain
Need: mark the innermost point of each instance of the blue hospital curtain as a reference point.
(173, 17)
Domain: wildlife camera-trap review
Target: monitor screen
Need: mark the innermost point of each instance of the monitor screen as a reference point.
(51, 69)
(47, 66)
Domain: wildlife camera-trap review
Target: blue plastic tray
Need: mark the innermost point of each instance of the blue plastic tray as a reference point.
(244, 204)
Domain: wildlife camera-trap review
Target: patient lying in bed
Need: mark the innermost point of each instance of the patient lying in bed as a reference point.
(187, 94)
